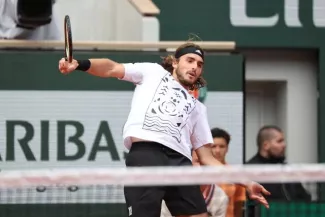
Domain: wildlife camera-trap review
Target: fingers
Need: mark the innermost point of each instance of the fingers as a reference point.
(257, 194)
(264, 202)
(71, 68)
(265, 192)
(261, 200)
(62, 63)
(64, 66)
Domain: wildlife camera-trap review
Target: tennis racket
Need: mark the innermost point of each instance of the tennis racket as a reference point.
(68, 39)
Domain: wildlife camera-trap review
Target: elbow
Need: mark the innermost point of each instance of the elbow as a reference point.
(106, 68)
(204, 163)
(206, 157)
(207, 160)
(210, 160)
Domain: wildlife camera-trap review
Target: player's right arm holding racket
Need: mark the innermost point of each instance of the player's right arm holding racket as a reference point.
(132, 72)
(98, 67)
(102, 67)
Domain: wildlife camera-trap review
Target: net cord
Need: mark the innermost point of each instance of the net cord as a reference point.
(149, 176)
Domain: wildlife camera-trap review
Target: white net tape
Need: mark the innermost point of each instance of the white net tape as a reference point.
(163, 175)
(99, 185)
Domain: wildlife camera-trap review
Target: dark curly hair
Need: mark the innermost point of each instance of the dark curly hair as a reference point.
(167, 63)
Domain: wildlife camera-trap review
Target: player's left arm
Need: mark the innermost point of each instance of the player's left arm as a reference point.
(202, 140)
(205, 156)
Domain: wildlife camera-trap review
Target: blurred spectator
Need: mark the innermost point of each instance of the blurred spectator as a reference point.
(214, 196)
(235, 193)
(271, 150)
(30, 20)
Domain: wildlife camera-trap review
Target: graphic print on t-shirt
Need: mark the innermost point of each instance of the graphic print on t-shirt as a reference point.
(169, 109)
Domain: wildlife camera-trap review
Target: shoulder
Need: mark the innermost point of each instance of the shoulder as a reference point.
(154, 67)
(139, 72)
(253, 160)
(144, 65)
(145, 68)
(200, 108)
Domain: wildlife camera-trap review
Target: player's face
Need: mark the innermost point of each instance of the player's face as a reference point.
(188, 69)
(276, 146)
(219, 148)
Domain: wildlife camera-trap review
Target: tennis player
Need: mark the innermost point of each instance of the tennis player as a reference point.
(164, 124)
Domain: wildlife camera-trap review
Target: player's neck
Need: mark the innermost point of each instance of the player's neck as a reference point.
(223, 161)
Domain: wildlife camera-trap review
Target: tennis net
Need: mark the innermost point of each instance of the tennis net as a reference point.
(98, 192)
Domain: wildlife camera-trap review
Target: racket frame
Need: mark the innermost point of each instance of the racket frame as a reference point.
(68, 39)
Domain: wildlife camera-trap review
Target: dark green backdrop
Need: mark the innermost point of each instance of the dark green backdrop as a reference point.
(38, 70)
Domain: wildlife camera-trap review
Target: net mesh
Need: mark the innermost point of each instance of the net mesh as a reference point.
(62, 194)
(99, 192)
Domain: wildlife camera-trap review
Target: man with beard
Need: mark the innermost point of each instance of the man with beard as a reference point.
(271, 150)
(165, 124)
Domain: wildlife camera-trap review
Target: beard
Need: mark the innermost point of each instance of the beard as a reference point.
(277, 158)
(182, 80)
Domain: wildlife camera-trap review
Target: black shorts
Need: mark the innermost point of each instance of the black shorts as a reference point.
(146, 201)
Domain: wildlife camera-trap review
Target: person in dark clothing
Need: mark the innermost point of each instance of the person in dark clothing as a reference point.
(271, 150)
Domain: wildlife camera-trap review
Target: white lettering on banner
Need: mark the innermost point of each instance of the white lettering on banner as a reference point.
(69, 145)
(53, 129)
(291, 15)
(319, 13)
(239, 17)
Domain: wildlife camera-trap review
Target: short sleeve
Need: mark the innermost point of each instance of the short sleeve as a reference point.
(201, 134)
(133, 72)
(136, 72)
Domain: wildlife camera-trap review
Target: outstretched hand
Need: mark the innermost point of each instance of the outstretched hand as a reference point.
(256, 192)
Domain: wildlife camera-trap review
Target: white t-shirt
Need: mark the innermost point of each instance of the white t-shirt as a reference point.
(216, 201)
(163, 111)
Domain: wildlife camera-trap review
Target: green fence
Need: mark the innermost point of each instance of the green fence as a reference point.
(287, 209)
(277, 209)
